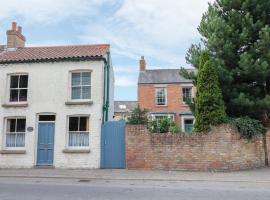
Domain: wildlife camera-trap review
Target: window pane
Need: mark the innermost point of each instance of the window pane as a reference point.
(83, 124)
(14, 81)
(187, 94)
(78, 139)
(20, 140)
(13, 95)
(23, 81)
(160, 96)
(76, 93)
(11, 124)
(21, 124)
(86, 78)
(86, 92)
(188, 125)
(47, 118)
(11, 140)
(23, 95)
(73, 123)
(188, 121)
(76, 77)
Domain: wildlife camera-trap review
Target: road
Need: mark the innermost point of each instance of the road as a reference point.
(64, 189)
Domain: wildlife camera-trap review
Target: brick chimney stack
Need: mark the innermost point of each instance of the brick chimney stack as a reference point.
(142, 64)
(15, 37)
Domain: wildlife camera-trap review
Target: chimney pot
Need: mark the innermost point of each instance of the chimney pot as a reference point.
(15, 39)
(19, 29)
(142, 64)
(14, 26)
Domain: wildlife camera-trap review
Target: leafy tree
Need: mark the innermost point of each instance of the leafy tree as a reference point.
(209, 105)
(138, 116)
(236, 33)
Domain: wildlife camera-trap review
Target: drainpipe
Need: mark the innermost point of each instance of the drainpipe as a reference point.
(106, 88)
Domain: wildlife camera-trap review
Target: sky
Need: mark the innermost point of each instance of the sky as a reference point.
(160, 30)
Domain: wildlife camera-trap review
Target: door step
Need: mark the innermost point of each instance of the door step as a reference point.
(44, 167)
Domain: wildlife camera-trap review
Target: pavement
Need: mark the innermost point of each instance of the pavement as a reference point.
(261, 175)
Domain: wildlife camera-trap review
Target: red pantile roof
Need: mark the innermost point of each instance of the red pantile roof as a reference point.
(39, 54)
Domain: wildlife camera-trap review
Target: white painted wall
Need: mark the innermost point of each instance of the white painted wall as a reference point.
(48, 91)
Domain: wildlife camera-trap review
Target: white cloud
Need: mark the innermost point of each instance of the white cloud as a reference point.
(125, 69)
(49, 11)
(125, 81)
(155, 28)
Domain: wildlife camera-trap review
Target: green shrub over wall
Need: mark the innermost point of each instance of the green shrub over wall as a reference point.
(164, 125)
(138, 116)
(248, 127)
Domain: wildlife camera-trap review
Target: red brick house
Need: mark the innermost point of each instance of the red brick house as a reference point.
(163, 92)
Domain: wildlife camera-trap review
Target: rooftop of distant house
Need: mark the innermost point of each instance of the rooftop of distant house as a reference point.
(160, 76)
(124, 106)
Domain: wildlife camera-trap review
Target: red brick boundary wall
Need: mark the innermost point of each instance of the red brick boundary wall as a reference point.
(220, 149)
(267, 148)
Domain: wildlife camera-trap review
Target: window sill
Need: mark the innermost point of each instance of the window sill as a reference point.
(9, 105)
(76, 151)
(79, 102)
(12, 151)
(185, 104)
(161, 105)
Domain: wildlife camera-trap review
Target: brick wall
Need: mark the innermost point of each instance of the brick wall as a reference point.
(220, 149)
(146, 99)
(267, 148)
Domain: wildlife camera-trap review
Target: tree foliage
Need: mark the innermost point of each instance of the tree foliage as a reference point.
(209, 105)
(138, 116)
(247, 127)
(164, 125)
(237, 36)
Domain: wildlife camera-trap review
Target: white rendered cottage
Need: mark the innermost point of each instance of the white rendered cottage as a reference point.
(53, 103)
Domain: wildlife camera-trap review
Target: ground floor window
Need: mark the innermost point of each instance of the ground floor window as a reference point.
(188, 125)
(161, 116)
(15, 132)
(78, 135)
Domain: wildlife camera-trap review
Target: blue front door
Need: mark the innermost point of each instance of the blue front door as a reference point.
(45, 144)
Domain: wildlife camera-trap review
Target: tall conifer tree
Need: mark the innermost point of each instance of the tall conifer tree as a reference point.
(236, 33)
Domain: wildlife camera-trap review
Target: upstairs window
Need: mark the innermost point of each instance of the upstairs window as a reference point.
(81, 85)
(161, 98)
(18, 88)
(78, 131)
(15, 132)
(187, 94)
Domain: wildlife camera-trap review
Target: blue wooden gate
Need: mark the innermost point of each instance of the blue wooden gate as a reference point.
(45, 144)
(113, 145)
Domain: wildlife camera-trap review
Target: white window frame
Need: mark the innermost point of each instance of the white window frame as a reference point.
(70, 85)
(184, 87)
(4, 142)
(8, 89)
(153, 116)
(183, 118)
(67, 134)
(165, 93)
